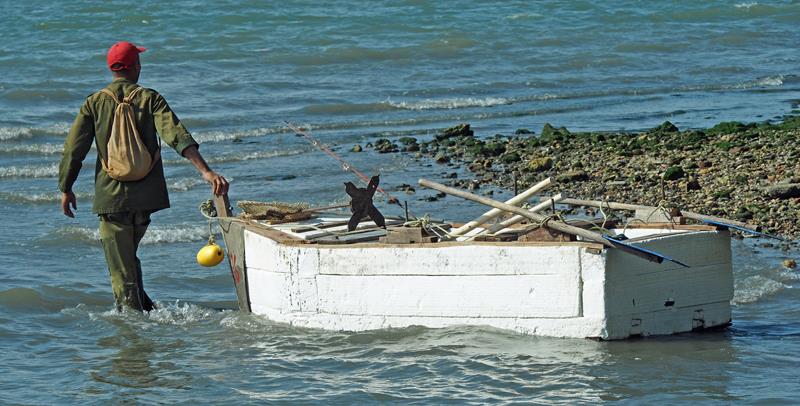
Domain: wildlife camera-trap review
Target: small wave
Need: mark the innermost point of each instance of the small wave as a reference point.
(31, 171)
(753, 288)
(217, 136)
(180, 314)
(154, 235)
(746, 5)
(14, 133)
(173, 314)
(38, 198)
(449, 104)
(246, 156)
(770, 81)
(35, 149)
(524, 16)
(184, 184)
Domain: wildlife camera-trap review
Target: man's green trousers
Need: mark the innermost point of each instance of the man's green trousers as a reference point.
(121, 234)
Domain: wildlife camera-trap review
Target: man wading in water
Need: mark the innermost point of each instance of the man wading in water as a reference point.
(124, 206)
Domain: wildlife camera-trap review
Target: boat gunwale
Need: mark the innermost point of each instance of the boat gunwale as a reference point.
(287, 240)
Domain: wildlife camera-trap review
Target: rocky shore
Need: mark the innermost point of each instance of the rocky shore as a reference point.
(745, 172)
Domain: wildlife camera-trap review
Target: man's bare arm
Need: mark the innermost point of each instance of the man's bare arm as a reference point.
(219, 184)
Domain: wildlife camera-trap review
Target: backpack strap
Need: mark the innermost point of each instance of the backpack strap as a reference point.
(126, 99)
(110, 93)
(132, 94)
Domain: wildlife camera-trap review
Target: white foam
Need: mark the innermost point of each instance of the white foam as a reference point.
(216, 136)
(753, 288)
(174, 314)
(30, 171)
(180, 314)
(171, 235)
(39, 149)
(524, 16)
(239, 157)
(155, 234)
(768, 81)
(450, 103)
(37, 198)
(184, 184)
(746, 5)
(14, 133)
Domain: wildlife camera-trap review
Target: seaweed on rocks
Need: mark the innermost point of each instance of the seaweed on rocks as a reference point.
(735, 170)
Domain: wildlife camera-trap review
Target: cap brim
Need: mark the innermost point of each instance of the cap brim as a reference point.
(141, 49)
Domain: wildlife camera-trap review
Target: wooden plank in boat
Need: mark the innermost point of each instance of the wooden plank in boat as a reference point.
(367, 235)
(340, 229)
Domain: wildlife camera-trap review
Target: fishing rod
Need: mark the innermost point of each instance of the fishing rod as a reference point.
(345, 165)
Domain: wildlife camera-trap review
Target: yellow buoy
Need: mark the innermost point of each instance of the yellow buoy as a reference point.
(210, 255)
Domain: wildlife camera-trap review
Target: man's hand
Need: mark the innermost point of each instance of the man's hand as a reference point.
(219, 185)
(67, 199)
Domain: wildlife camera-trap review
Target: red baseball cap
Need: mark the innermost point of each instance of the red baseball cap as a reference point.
(123, 54)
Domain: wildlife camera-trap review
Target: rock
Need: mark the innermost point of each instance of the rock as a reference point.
(357, 148)
(384, 146)
(407, 140)
(540, 164)
(452, 175)
(789, 263)
(783, 190)
(411, 148)
(674, 173)
(406, 188)
(665, 127)
(572, 176)
(510, 158)
(743, 214)
(729, 127)
(475, 166)
(521, 131)
(693, 184)
(461, 130)
(550, 133)
(441, 158)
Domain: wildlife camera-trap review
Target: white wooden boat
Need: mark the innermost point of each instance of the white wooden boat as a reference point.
(304, 275)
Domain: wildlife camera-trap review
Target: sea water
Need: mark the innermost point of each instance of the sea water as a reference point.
(352, 72)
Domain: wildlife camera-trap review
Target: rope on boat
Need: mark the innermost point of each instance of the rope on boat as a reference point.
(428, 225)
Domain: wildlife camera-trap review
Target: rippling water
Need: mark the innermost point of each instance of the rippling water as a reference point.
(352, 72)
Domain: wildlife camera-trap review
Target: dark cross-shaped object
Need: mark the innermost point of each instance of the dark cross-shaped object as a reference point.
(361, 203)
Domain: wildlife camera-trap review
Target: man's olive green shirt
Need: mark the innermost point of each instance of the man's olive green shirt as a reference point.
(93, 124)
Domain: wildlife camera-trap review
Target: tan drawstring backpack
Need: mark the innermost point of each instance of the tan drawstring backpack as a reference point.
(127, 156)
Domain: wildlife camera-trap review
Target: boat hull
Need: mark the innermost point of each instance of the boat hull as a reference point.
(558, 289)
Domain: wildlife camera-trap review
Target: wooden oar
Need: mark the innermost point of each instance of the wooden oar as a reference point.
(634, 207)
(546, 222)
(491, 214)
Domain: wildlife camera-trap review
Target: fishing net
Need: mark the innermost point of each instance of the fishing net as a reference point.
(273, 210)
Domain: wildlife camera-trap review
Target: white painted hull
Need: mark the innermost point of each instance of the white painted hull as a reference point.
(556, 289)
